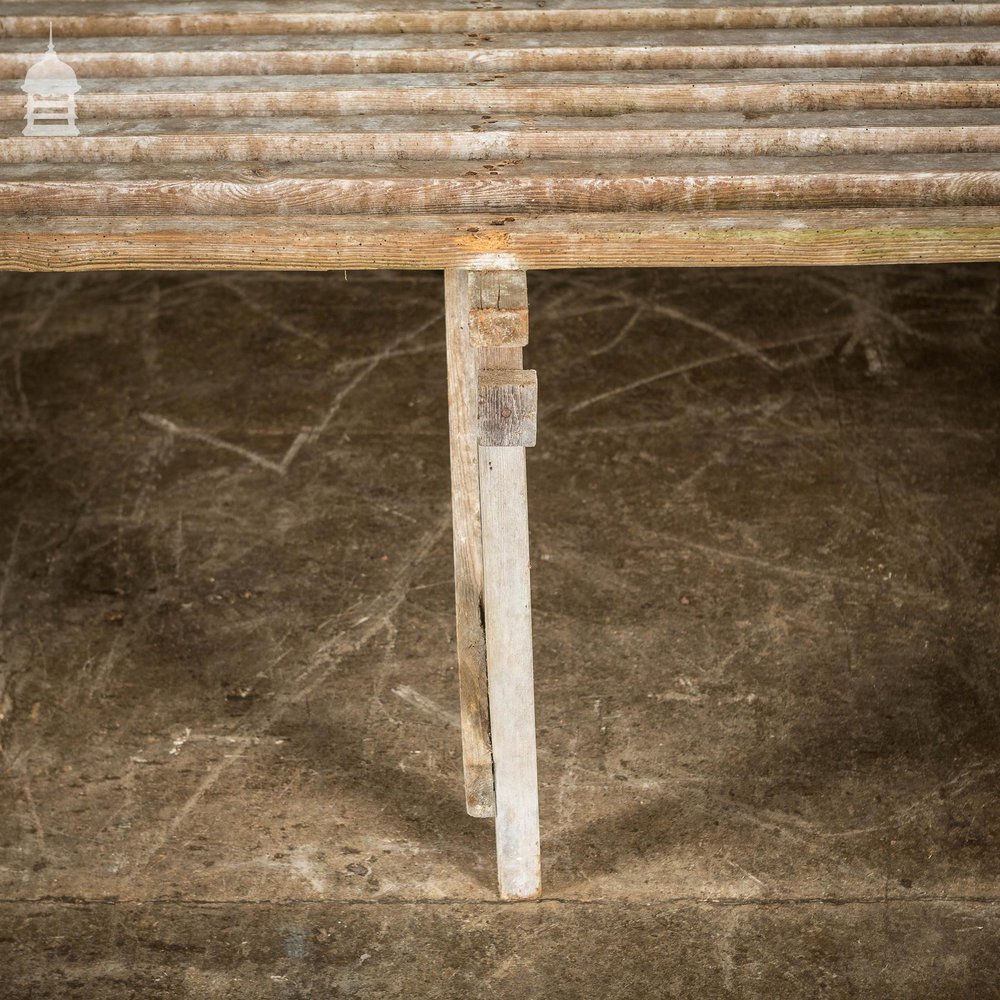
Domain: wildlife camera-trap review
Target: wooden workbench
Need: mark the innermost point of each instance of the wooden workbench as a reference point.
(488, 139)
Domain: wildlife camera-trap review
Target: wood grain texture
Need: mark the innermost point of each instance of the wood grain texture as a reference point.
(266, 96)
(470, 639)
(95, 19)
(91, 61)
(500, 291)
(372, 138)
(552, 186)
(508, 408)
(706, 239)
(497, 514)
(498, 314)
(198, 115)
(507, 591)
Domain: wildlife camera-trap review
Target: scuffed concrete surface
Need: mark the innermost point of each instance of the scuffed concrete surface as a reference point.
(765, 564)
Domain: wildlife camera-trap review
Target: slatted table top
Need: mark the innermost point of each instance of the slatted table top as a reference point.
(515, 133)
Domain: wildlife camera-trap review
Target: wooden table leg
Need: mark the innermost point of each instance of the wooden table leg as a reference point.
(488, 319)
(469, 633)
(508, 649)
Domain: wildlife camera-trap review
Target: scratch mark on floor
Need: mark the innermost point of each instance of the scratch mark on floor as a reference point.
(300, 863)
(178, 546)
(306, 436)
(107, 664)
(724, 944)
(29, 796)
(148, 328)
(426, 705)
(803, 828)
(623, 332)
(22, 399)
(192, 433)
(742, 346)
(691, 366)
(939, 602)
(8, 568)
(743, 871)
(324, 660)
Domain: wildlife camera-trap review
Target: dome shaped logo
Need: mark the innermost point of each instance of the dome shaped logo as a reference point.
(51, 87)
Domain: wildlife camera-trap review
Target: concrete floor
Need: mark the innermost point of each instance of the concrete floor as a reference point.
(765, 554)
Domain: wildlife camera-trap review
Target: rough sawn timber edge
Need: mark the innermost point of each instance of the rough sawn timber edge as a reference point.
(503, 502)
(470, 637)
(483, 242)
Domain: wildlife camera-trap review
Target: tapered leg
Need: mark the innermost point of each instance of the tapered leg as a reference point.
(469, 633)
(508, 650)
(487, 326)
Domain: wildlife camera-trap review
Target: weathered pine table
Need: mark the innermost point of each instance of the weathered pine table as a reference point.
(488, 138)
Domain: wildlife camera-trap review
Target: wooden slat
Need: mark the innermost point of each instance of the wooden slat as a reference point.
(612, 168)
(148, 7)
(481, 241)
(375, 138)
(559, 92)
(467, 124)
(257, 54)
(571, 41)
(127, 85)
(186, 19)
(677, 184)
(581, 100)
